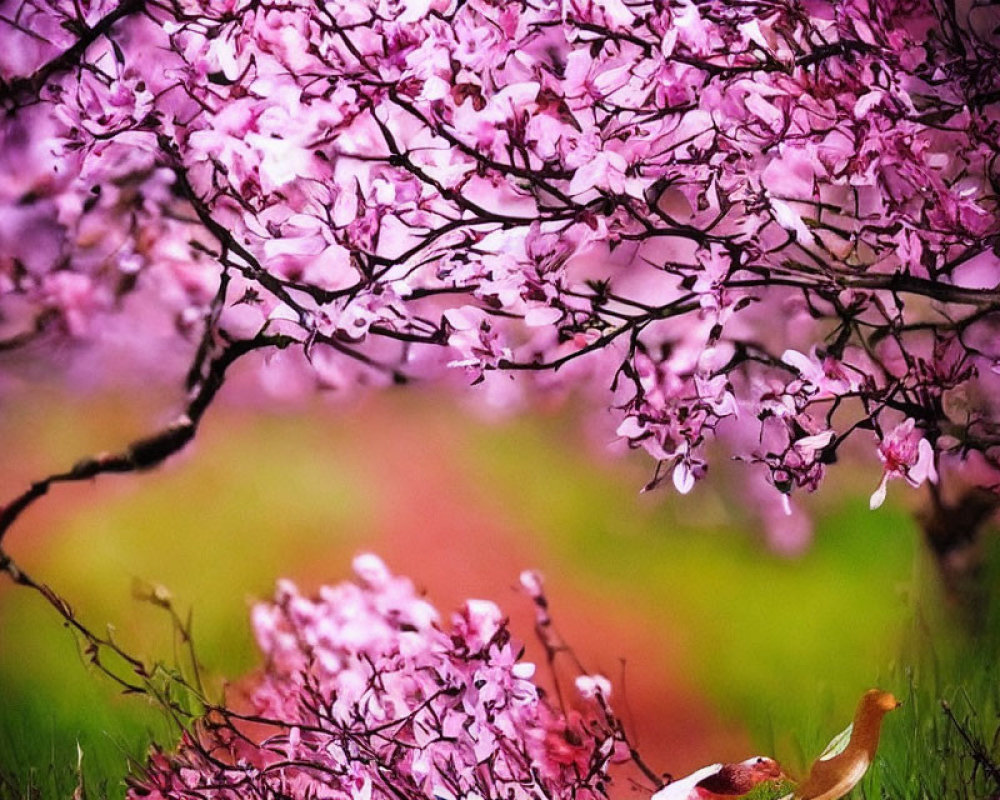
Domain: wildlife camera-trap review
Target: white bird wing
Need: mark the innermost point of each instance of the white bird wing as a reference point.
(681, 789)
(838, 744)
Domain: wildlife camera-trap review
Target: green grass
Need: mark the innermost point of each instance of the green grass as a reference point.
(770, 790)
(924, 754)
(927, 752)
(46, 717)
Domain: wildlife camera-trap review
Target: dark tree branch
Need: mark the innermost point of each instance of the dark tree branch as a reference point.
(28, 87)
(152, 450)
(935, 290)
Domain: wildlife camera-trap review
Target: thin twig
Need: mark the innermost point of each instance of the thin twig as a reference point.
(977, 750)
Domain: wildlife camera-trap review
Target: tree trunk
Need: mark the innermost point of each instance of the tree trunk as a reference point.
(954, 532)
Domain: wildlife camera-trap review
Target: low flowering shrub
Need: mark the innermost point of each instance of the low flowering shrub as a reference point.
(365, 694)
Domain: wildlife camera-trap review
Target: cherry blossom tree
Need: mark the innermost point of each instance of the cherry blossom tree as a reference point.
(772, 224)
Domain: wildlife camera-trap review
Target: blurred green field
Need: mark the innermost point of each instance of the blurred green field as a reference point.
(783, 648)
(761, 630)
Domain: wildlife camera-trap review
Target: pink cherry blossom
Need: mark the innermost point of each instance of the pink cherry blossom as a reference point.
(366, 694)
(906, 454)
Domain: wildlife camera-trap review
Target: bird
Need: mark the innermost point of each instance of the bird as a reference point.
(721, 781)
(846, 759)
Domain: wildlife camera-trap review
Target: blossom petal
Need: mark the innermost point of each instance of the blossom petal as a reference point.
(878, 496)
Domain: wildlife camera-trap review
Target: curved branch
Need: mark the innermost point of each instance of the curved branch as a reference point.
(152, 450)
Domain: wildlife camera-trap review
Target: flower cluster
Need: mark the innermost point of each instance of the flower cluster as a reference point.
(365, 695)
(775, 224)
